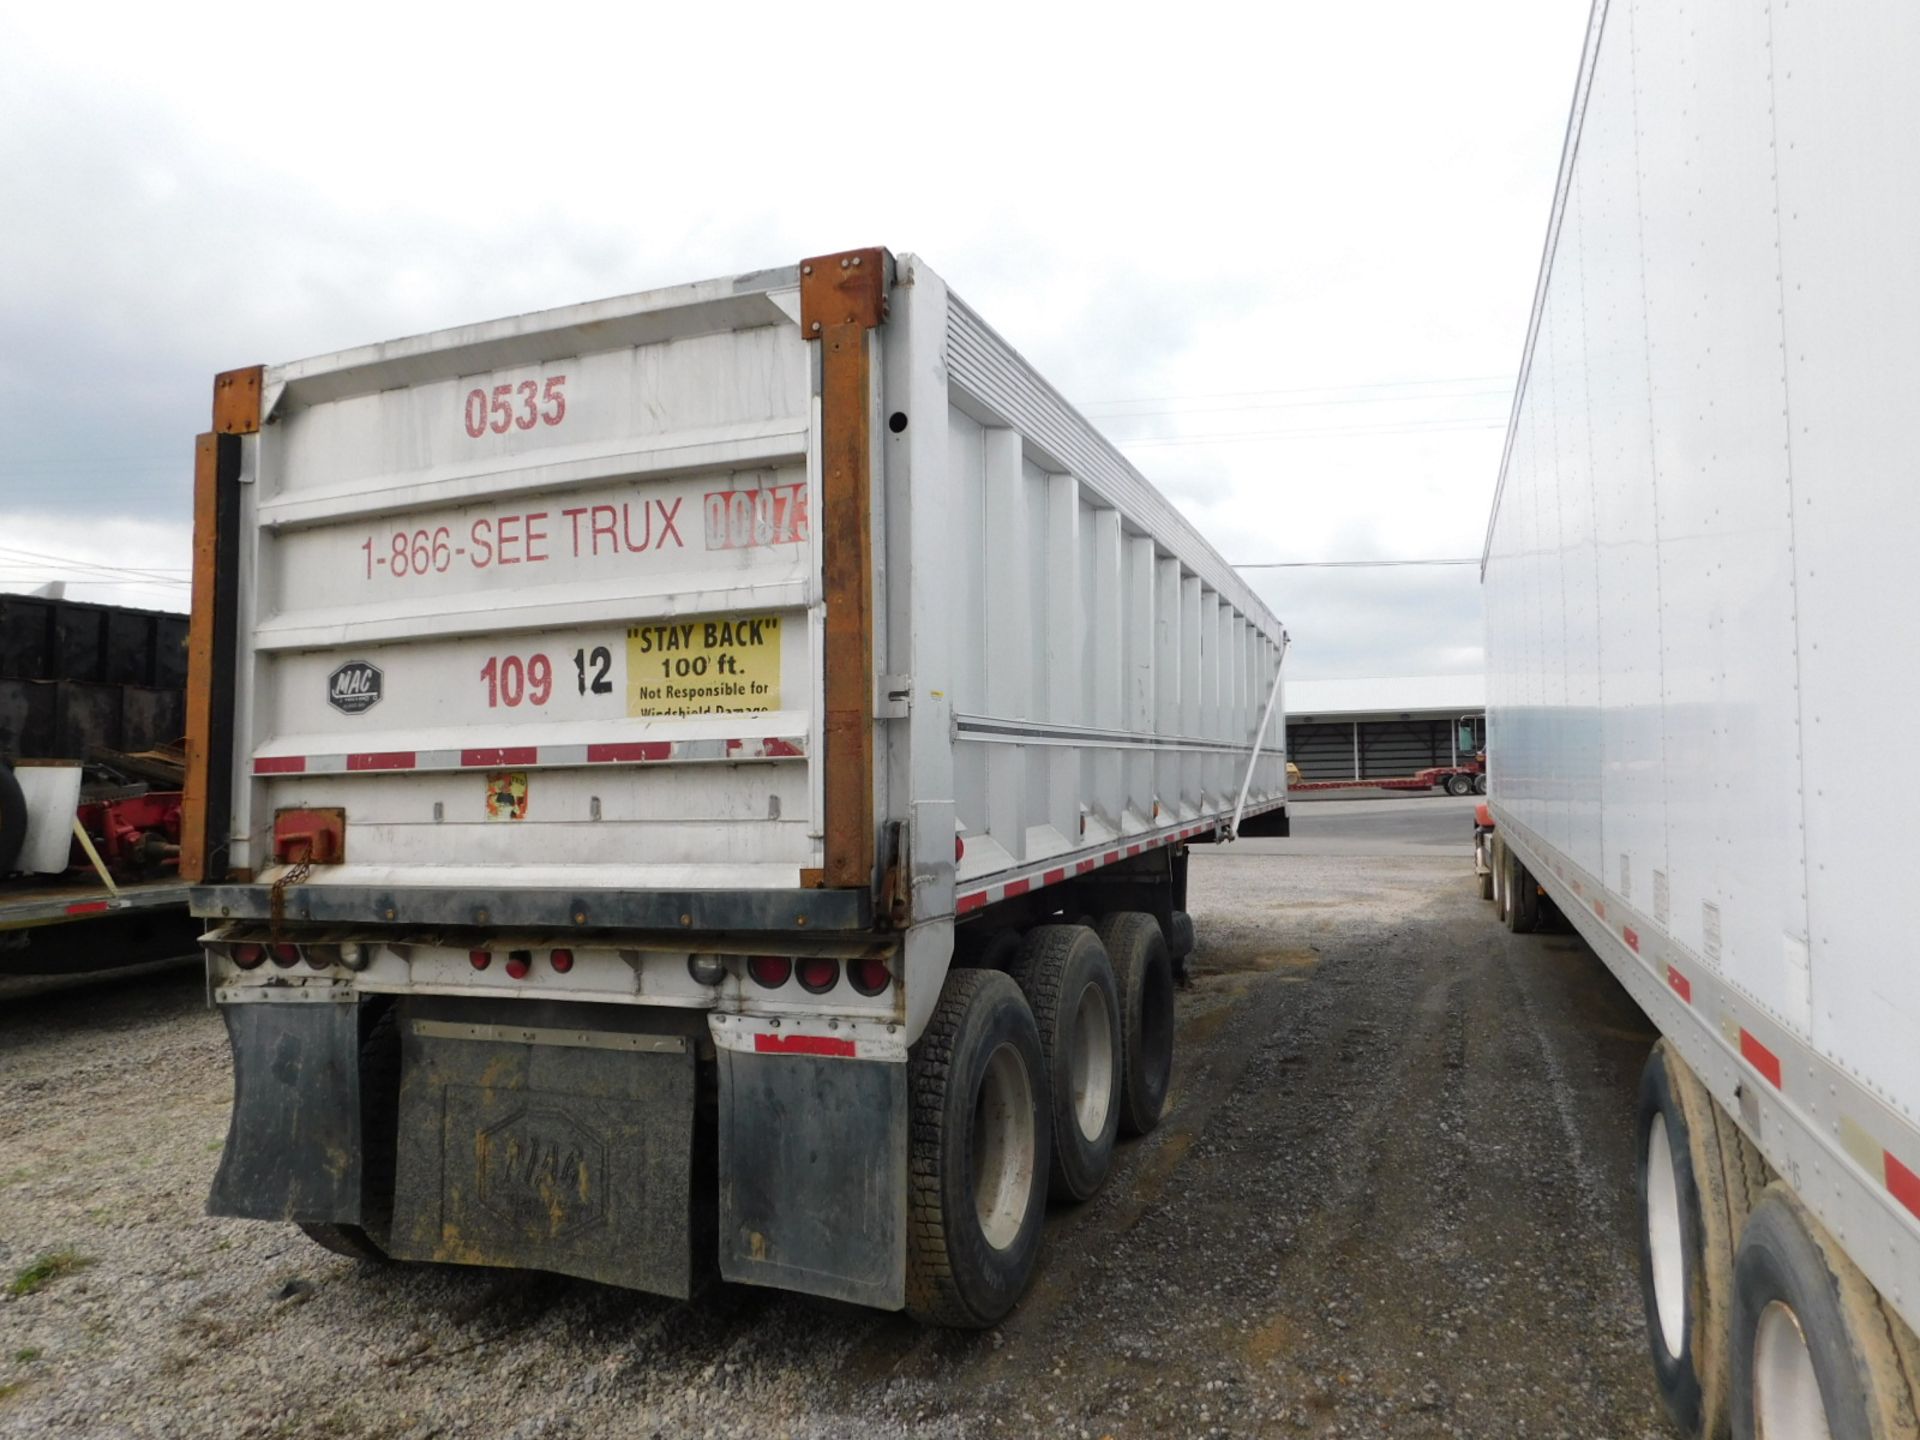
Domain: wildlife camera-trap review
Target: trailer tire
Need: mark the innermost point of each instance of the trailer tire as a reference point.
(1064, 973)
(1459, 784)
(1144, 974)
(13, 818)
(1689, 1223)
(1181, 945)
(979, 1152)
(379, 1144)
(1480, 783)
(1812, 1340)
(1521, 904)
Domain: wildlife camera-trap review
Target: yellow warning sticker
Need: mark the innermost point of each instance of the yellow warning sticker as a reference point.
(726, 666)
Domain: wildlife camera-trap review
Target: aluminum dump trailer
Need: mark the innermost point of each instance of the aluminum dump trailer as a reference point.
(703, 780)
(1701, 674)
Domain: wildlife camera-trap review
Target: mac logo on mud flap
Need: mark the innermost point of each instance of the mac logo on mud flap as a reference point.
(354, 688)
(541, 1171)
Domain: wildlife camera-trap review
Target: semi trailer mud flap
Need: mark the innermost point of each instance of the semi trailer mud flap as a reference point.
(813, 1175)
(547, 1147)
(293, 1140)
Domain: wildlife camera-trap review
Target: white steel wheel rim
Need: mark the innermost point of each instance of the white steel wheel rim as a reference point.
(1664, 1249)
(1003, 1147)
(1090, 1062)
(1786, 1391)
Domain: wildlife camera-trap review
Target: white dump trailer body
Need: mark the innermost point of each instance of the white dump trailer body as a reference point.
(1700, 664)
(789, 613)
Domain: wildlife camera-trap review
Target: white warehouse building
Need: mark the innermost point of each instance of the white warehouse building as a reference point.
(1377, 728)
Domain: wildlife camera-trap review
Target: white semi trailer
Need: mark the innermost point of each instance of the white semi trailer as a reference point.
(1701, 674)
(703, 774)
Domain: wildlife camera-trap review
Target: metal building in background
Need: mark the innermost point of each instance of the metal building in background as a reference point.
(1381, 728)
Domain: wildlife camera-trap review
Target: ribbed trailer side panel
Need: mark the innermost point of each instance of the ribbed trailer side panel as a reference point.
(1699, 574)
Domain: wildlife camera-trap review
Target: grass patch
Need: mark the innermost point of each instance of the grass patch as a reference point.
(25, 1357)
(50, 1266)
(11, 1388)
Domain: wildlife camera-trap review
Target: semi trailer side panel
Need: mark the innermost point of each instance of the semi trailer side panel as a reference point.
(1698, 576)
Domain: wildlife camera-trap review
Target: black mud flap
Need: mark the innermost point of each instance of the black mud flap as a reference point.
(813, 1175)
(1270, 825)
(293, 1141)
(547, 1148)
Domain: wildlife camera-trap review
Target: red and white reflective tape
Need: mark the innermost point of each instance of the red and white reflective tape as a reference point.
(1057, 868)
(1658, 953)
(517, 757)
(823, 1036)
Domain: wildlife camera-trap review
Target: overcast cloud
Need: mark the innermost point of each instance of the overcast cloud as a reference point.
(1312, 229)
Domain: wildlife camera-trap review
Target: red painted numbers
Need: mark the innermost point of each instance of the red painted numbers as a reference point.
(511, 680)
(744, 519)
(516, 407)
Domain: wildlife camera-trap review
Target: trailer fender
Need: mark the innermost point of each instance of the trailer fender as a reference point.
(929, 954)
(293, 1140)
(813, 1161)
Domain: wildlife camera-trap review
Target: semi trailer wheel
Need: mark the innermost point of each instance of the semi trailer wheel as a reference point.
(977, 1166)
(379, 1145)
(1480, 783)
(1814, 1349)
(1181, 942)
(1064, 973)
(1690, 1211)
(1521, 905)
(1144, 975)
(1459, 784)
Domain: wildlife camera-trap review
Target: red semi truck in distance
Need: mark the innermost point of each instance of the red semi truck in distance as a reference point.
(1468, 778)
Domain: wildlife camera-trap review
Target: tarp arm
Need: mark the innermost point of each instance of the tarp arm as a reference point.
(1266, 718)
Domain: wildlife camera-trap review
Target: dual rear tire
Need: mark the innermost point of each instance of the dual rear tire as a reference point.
(1019, 1087)
(1759, 1324)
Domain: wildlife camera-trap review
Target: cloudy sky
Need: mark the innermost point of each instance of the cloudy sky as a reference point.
(1282, 253)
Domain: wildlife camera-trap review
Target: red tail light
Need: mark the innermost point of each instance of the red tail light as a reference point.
(519, 963)
(818, 974)
(248, 956)
(286, 956)
(480, 959)
(869, 976)
(959, 849)
(772, 971)
(562, 961)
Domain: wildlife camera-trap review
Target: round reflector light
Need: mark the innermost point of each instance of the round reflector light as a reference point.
(249, 955)
(480, 959)
(772, 971)
(562, 961)
(869, 976)
(519, 963)
(286, 956)
(706, 969)
(818, 974)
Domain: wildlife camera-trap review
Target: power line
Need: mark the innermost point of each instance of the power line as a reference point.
(1340, 564)
(11, 555)
(1435, 427)
(1298, 390)
(1307, 404)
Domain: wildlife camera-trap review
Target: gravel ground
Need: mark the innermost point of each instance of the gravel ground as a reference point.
(1392, 1196)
